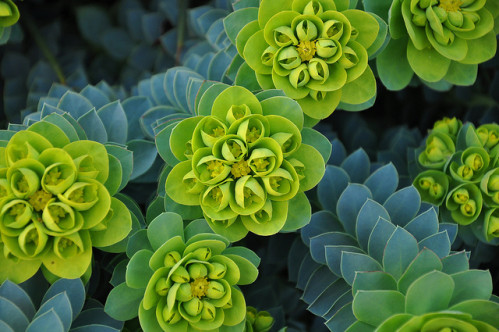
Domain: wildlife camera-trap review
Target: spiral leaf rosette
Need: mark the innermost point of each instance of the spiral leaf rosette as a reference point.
(56, 203)
(430, 296)
(458, 171)
(185, 282)
(438, 40)
(245, 162)
(316, 51)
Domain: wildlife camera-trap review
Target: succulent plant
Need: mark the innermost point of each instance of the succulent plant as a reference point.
(245, 161)
(457, 171)
(31, 307)
(438, 40)
(258, 321)
(57, 200)
(432, 294)
(185, 281)
(366, 226)
(316, 51)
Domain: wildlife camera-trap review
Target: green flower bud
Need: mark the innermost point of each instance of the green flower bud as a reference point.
(314, 7)
(299, 76)
(284, 36)
(81, 196)
(32, 240)
(197, 270)
(461, 196)
(172, 258)
(419, 19)
(14, 216)
(318, 70)
(216, 270)
(188, 149)
(349, 58)
(68, 246)
(306, 30)
(288, 58)
(441, 14)
(9, 14)
(180, 275)
(215, 290)
(423, 4)
(209, 311)
(162, 286)
(202, 254)
(469, 208)
(426, 182)
(184, 293)
(448, 126)
(354, 33)
(193, 307)
(263, 321)
(24, 182)
(465, 172)
(447, 38)
(493, 184)
(332, 30)
(317, 95)
(493, 226)
(327, 48)
(456, 19)
(436, 190)
(171, 317)
(474, 161)
(268, 55)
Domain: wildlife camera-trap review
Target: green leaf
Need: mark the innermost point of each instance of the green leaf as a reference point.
(379, 7)
(252, 53)
(314, 166)
(373, 307)
(481, 310)
(246, 32)
(352, 262)
(235, 314)
(393, 67)
(248, 271)
(269, 8)
(455, 263)
(123, 302)
(138, 271)
(177, 189)
(299, 213)
(246, 77)
(51, 132)
(234, 95)
(428, 64)
(455, 51)
(366, 25)
(113, 182)
(283, 106)
(95, 150)
(426, 261)
(17, 271)
(49, 321)
(430, 292)
(360, 90)
(164, 227)
(400, 250)
(377, 280)
(317, 140)
(235, 21)
(118, 222)
(481, 49)
(471, 285)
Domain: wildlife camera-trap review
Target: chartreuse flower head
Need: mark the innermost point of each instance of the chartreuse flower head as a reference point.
(438, 40)
(316, 51)
(186, 281)
(55, 203)
(245, 160)
(459, 172)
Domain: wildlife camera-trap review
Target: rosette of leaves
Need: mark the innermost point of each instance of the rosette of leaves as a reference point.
(31, 307)
(457, 171)
(366, 225)
(106, 115)
(316, 51)
(432, 294)
(245, 160)
(438, 40)
(184, 279)
(56, 201)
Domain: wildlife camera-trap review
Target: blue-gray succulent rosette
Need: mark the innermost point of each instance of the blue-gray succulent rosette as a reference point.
(244, 161)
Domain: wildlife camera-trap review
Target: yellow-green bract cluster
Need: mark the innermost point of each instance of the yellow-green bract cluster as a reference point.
(243, 163)
(54, 204)
(316, 51)
(462, 174)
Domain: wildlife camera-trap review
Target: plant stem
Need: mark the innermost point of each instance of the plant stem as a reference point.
(28, 21)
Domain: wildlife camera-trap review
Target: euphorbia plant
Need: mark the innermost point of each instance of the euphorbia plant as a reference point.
(244, 161)
(56, 202)
(458, 171)
(9, 14)
(186, 280)
(316, 51)
(438, 40)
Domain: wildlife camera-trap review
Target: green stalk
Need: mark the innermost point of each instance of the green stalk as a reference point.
(28, 21)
